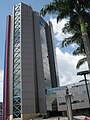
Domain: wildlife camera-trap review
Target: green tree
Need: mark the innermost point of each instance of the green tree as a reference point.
(75, 38)
(78, 13)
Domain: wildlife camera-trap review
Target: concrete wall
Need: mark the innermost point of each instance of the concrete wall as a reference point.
(79, 97)
(27, 61)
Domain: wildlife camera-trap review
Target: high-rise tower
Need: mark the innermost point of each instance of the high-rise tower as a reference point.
(30, 66)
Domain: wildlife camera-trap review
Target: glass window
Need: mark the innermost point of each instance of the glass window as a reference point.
(46, 67)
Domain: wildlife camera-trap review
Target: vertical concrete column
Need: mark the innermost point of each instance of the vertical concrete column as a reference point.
(69, 105)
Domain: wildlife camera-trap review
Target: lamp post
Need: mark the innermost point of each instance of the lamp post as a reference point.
(84, 73)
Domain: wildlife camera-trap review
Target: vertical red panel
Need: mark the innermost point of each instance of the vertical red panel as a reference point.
(7, 69)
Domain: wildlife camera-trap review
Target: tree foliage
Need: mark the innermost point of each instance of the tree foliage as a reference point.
(78, 13)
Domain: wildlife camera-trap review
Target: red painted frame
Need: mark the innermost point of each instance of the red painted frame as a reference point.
(7, 69)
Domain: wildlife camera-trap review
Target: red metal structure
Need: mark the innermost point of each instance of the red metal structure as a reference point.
(6, 67)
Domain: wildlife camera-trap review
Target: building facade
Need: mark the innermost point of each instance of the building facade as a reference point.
(79, 99)
(30, 65)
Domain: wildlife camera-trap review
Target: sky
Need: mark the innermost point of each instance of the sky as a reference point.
(65, 60)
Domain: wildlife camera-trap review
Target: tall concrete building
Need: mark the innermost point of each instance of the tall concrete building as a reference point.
(30, 65)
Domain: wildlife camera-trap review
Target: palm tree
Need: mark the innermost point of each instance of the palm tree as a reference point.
(75, 38)
(77, 11)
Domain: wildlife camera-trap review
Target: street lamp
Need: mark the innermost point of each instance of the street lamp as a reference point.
(84, 73)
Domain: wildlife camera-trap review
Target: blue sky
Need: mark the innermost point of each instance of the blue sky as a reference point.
(66, 61)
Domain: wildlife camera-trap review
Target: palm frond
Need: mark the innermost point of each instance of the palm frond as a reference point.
(72, 25)
(79, 51)
(81, 62)
(59, 7)
(76, 38)
(51, 8)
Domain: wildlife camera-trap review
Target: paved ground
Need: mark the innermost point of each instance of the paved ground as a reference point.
(57, 118)
(64, 118)
(53, 118)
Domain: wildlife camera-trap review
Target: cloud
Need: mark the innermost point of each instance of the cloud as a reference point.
(66, 61)
(1, 85)
(57, 28)
(66, 67)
